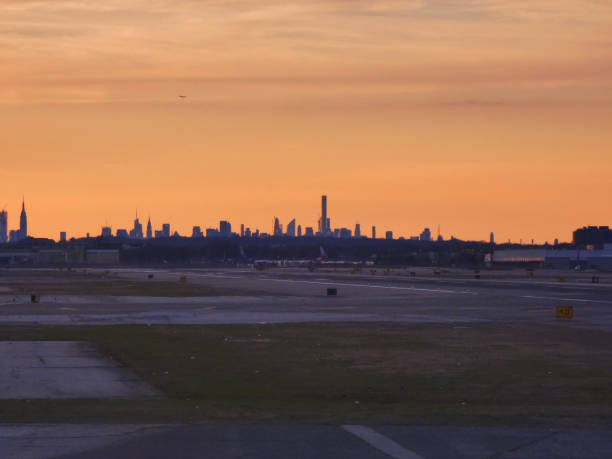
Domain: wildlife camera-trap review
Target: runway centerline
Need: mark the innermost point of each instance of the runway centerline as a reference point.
(364, 285)
(580, 300)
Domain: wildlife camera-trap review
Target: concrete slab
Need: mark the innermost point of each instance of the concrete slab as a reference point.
(64, 369)
(240, 441)
(501, 442)
(46, 441)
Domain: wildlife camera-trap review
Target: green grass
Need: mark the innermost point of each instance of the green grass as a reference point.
(340, 373)
(64, 282)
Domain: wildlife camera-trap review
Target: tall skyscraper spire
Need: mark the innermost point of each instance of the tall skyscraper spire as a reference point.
(23, 222)
(136, 232)
(324, 225)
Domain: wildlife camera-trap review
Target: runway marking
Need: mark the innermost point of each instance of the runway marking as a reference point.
(374, 286)
(431, 290)
(218, 276)
(579, 300)
(520, 282)
(381, 443)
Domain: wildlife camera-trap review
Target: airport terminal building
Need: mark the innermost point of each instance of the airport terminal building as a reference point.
(557, 259)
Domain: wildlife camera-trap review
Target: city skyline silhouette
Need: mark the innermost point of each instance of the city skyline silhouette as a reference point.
(165, 228)
(478, 116)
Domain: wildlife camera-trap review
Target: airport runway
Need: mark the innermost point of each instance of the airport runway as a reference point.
(299, 441)
(292, 295)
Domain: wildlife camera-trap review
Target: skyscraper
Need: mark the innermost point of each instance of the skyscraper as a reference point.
(357, 230)
(345, 233)
(136, 232)
(291, 228)
(149, 229)
(324, 225)
(299, 233)
(425, 235)
(3, 226)
(225, 228)
(373, 232)
(196, 232)
(23, 222)
(492, 238)
(277, 227)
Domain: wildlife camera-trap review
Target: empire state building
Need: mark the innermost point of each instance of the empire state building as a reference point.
(23, 222)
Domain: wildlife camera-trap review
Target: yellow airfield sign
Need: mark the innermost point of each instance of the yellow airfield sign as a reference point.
(565, 312)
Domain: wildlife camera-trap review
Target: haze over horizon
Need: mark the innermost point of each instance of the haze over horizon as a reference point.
(478, 115)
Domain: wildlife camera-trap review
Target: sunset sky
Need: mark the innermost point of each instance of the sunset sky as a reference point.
(475, 115)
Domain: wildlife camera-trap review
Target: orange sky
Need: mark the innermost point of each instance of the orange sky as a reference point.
(477, 115)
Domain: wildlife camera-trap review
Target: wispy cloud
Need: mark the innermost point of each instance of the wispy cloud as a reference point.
(100, 48)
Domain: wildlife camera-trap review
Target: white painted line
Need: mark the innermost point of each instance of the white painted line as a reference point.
(214, 276)
(520, 282)
(338, 284)
(579, 300)
(382, 443)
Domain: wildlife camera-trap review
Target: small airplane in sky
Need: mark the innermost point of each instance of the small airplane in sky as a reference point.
(182, 97)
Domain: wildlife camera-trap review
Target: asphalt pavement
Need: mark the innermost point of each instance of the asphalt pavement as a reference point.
(291, 295)
(280, 295)
(246, 441)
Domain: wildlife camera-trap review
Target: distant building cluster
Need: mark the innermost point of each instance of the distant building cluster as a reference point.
(591, 248)
(293, 229)
(593, 237)
(588, 237)
(17, 234)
